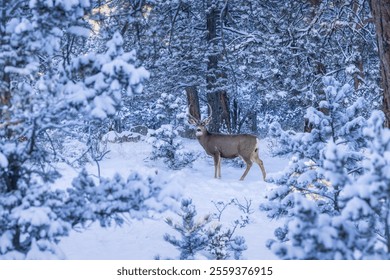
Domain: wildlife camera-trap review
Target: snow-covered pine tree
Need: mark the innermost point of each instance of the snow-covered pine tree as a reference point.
(167, 145)
(31, 222)
(96, 83)
(167, 108)
(39, 97)
(366, 200)
(192, 232)
(360, 227)
(199, 237)
(323, 161)
(106, 201)
(31, 105)
(223, 244)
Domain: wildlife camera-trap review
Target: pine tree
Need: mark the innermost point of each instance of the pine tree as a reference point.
(167, 145)
(50, 97)
(192, 234)
(367, 198)
(324, 161)
(199, 237)
(32, 34)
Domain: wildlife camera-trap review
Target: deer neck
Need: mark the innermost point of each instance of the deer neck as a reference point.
(203, 139)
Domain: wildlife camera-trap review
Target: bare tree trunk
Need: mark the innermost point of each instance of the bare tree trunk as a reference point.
(193, 101)
(235, 116)
(357, 26)
(253, 121)
(216, 96)
(5, 94)
(381, 12)
(5, 81)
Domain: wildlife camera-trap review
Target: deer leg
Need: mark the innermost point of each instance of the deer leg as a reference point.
(217, 165)
(248, 167)
(260, 163)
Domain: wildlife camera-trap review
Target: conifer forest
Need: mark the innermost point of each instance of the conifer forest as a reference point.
(111, 115)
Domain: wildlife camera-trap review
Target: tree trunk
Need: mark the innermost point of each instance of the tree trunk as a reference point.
(216, 77)
(193, 101)
(235, 116)
(381, 12)
(5, 94)
(253, 121)
(5, 80)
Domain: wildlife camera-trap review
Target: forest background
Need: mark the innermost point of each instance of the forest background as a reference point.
(313, 76)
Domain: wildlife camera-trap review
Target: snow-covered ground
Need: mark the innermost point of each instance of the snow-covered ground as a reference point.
(143, 239)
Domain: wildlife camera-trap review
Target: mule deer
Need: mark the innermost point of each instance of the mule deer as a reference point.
(227, 146)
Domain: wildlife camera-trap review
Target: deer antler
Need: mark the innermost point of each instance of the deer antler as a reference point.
(195, 121)
(191, 119)
(208, 119)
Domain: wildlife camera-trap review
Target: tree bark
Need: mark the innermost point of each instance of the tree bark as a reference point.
(193, 101)
(216, 96)
(5, 81)
(381, 13)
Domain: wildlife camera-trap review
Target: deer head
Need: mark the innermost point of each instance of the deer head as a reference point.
(200, 124)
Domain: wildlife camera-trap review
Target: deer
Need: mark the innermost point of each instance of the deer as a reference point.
(217, 145)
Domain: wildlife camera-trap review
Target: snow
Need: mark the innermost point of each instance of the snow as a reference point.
(36, 216)
(354, 208)
(67, 5)
(5, 242)
(104, 105)
(79, 31)
(3, 161)
(23, 26)
(143, 239)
